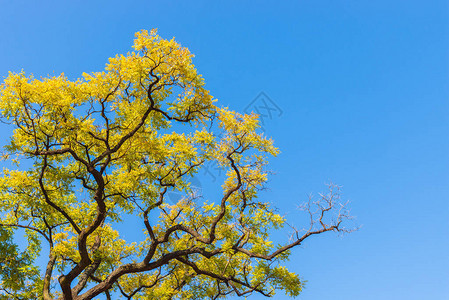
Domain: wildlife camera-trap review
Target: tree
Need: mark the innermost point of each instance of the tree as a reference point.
(106, 149)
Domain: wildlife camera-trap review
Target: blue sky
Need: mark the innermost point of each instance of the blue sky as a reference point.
(363, 88)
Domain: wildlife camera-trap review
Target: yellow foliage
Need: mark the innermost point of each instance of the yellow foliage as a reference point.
(105, 151)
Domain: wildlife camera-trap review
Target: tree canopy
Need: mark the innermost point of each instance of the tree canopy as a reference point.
(96, 155)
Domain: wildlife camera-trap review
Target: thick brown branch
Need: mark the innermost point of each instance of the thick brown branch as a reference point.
(47, 198)
(47, 276)
(142, 267)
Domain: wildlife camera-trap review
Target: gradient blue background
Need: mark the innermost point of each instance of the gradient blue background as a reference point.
(363, 86)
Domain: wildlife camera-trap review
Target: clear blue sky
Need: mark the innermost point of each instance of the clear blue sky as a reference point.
(364, 91)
